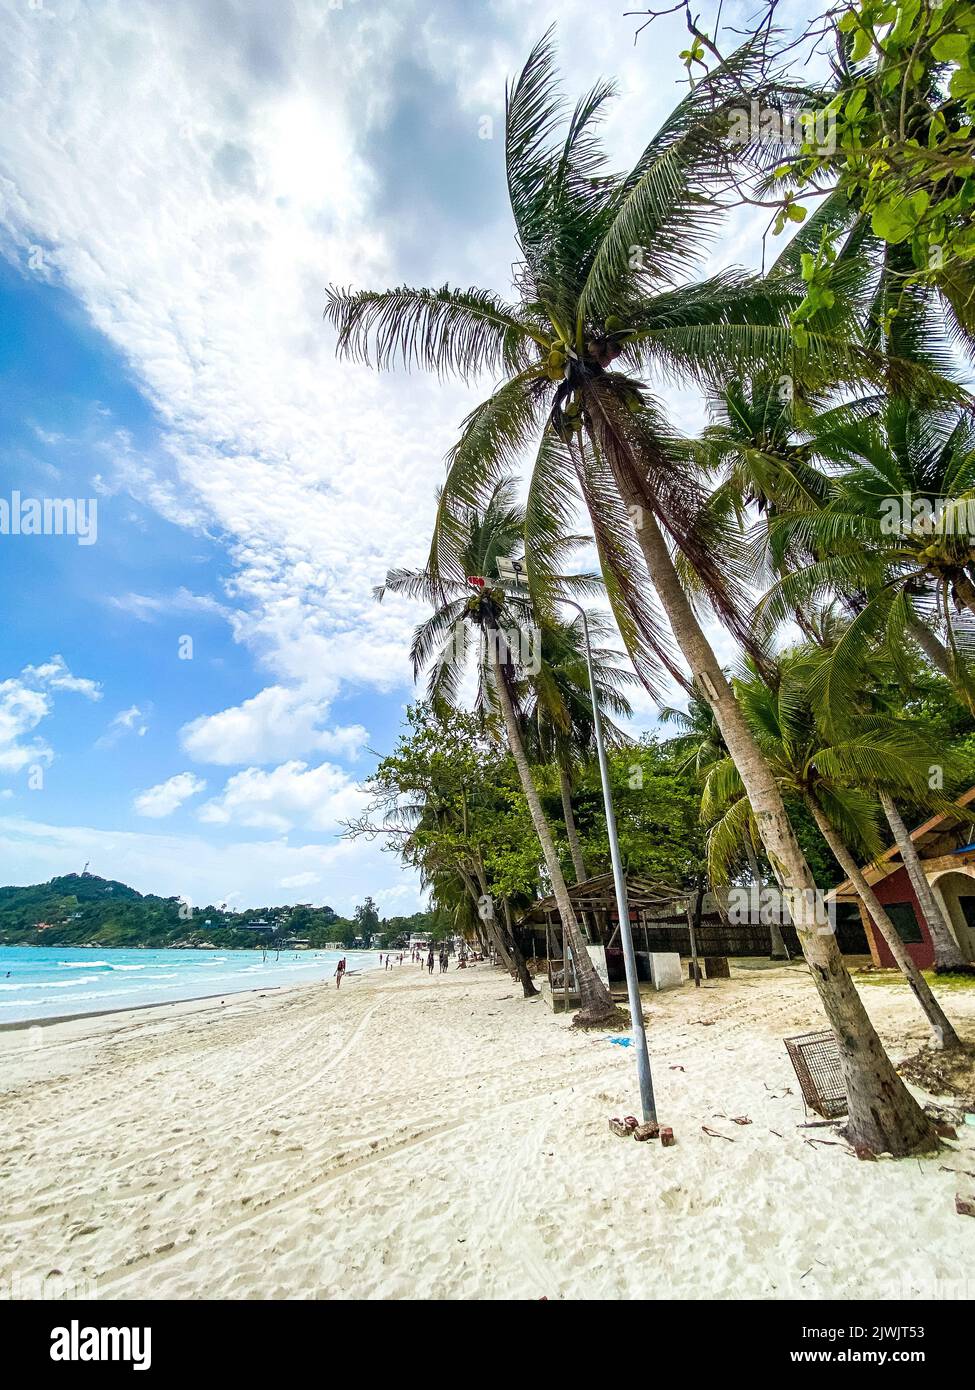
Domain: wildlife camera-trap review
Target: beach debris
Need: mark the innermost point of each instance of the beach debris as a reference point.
(676, 1067)
(714, 1134)
(965, 1203)
(740, 1120)
(625, 1127)
(651, 1130)
(621, 1040)
(667, 1137)
(944, 1130)
(863, 1153)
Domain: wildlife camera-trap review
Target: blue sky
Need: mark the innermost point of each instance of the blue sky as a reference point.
(177, 186)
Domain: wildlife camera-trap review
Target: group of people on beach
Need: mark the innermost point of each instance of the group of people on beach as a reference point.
(421, 955)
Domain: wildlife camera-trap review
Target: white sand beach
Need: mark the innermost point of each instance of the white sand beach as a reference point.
(439, 1137)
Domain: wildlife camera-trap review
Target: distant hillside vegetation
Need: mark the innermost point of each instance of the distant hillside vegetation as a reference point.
(77, 909)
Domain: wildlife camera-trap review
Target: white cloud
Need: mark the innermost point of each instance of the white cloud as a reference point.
(166, 797)
(300, 880)
(239, 872)
(148, 607)
(274, 724)
(316, 798)
(27, 699)
(54, 675)
(196, 179)
(127, 721)
(202, 205)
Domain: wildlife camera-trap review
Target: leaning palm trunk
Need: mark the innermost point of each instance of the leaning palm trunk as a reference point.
(944, 1033)
(571, 831)
(948, 955)
(489, 934)
(942, 660)
(777, 947)
(597, 1005)
(883, 1115)
(517, 958)
(504, 942)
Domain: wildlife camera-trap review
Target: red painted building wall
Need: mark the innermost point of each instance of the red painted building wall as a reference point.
(896, 888)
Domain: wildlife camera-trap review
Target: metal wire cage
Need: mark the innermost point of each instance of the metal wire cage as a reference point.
(816, 1060)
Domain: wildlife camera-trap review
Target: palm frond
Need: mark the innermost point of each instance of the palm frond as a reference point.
(448, 331)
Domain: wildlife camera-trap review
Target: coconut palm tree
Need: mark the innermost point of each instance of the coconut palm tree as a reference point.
(773, 455)
(701, 742)
(441, 798)
(878, 692)
(599, 283)
(560, 724)
(832, 777)
(481, 606)
(896, 535)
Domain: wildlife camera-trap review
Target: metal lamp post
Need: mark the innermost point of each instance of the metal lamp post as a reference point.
(514, 572)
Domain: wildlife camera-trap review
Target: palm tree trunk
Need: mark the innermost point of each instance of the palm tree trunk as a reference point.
(948, 955)
(941, 659)
(597, 1005)
(493, 929)
(571, 832)
(777, 947)
(944, 1033)
(521, 967)
(490, 931)
(883, 1115)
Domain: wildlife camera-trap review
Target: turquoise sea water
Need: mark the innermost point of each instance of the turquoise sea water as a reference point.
(46, 981)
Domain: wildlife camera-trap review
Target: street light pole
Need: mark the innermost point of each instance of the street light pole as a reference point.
(622, 903)
(512, 569)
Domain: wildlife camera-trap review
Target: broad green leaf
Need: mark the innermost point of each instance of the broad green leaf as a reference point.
(950, 48)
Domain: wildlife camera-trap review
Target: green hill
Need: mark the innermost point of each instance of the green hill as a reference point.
(78, 909)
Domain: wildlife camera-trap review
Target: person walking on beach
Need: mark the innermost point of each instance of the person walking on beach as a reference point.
(430, 962)
(339, 972)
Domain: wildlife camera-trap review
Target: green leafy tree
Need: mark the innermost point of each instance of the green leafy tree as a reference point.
(367, 920)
